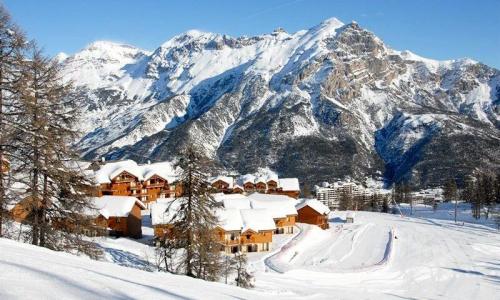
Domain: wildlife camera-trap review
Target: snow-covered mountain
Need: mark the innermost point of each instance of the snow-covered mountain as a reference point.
(330, 101)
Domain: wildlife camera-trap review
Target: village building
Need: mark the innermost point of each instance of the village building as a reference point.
(240, 228)
(245, 230)
(311, 211)
(145, 182)
(222, 184)
(289, 187)
(281, 207)
(268, 183)
(120, 215)
(248, 183)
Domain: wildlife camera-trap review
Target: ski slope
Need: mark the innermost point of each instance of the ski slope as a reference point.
(432, 258)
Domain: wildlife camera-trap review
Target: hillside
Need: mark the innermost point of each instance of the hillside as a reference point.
(29, 272)
(332, 100)
(431, 258)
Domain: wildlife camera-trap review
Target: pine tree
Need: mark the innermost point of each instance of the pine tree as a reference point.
(385, 205)
(450, 193)
(243, 278)
(12, 44)
(345, 200)
(194, 219)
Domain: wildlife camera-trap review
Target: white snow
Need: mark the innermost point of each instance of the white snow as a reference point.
(115, 206)
(30, 272)
(279, 206)
(381, 256)
(108, 171)
(289, 184)
(314, 204)
(256, 220)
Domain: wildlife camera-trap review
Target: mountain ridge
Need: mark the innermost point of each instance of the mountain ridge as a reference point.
(326, 102)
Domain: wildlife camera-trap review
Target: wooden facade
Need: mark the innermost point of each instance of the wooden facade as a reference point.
(130, 226)
(247, 241)
(249, 187)
(310, 216)
(221, 186)
(126, 184)
(285, 225)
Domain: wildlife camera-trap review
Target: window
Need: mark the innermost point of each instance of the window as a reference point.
(118, 220)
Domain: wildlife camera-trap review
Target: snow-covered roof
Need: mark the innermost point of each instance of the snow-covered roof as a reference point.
(227, 179)
(257, 220)
(314, 204)
(350, 214)
(279, 206)
(246, 178)
(237, 201)
(165, 170)
(110, 170)
(116, 206)
(230, 219)
(289, 184)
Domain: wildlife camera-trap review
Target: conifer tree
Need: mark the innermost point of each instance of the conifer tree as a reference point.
(450, 193)
(12, 44)
(194, 219)
(46, 161)
(243, 278)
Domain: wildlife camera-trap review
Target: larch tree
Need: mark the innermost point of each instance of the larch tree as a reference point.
(12, 44)
(194, 219)
(58, 188)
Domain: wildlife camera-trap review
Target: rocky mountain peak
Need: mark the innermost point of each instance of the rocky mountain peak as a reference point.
(325, 102)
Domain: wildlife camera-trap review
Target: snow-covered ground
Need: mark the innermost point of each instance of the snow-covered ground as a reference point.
(379, 256)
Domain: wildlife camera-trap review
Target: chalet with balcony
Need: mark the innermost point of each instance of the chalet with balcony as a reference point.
(245, 230)
(312, 211)
(145, 182)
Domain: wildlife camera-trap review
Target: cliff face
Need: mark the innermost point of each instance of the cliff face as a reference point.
(321, 103)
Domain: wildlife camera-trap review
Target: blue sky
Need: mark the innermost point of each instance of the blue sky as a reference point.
(440, 29)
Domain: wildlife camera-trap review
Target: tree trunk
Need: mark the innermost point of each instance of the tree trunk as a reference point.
(43, 211)
(189, 248)
(1, 149)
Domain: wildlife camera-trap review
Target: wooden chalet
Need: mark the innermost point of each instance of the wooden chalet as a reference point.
(222, 184)
(120, 215)
(313, 212)
(145, 182)
(245, 230)
(281, 208)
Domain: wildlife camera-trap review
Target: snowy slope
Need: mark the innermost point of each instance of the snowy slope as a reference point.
(430, 259)
(333, 97)
(29, 272)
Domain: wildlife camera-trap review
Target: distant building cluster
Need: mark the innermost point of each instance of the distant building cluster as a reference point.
(330, 194)
(268, 183)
